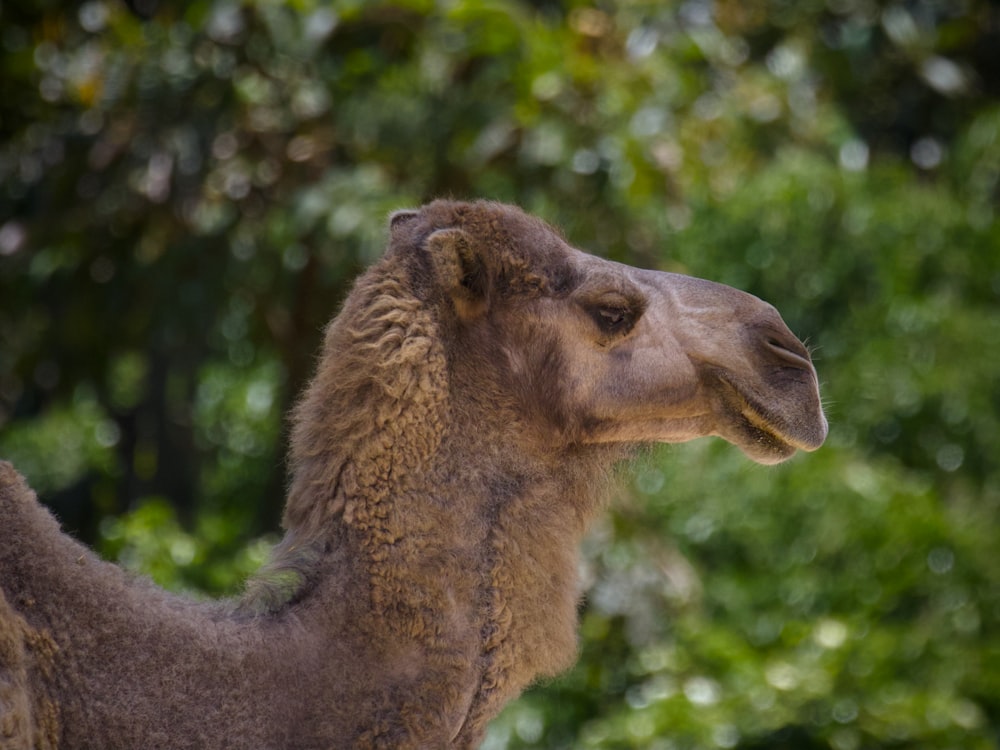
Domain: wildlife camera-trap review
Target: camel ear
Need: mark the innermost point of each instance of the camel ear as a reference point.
(401, 225)
(460, 271)
(399, 219)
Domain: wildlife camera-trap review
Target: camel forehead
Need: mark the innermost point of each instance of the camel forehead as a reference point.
(524, 244)
(521, 250)
(485, 217)
(500, 226)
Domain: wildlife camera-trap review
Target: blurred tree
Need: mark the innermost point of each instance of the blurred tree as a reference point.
(185, 193)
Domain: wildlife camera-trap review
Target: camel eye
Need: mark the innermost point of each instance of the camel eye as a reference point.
(612, 319)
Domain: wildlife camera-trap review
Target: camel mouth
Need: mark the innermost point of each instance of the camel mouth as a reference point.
(762, 435)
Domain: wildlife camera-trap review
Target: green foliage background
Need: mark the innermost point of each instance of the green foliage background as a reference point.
(186, 190)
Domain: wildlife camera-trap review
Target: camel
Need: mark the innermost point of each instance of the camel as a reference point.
(474, 394)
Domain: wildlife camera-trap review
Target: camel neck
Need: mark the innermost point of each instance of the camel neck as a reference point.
(461, 580)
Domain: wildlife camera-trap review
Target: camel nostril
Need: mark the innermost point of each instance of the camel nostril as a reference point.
(791, 351)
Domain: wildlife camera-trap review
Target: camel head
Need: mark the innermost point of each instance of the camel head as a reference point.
(600, 352)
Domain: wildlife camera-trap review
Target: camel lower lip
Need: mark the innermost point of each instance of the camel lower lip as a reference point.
(760, 420)
(763, 442)
(757, 421)
(766, 446)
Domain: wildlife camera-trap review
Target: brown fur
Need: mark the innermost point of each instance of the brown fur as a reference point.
(446, 460)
